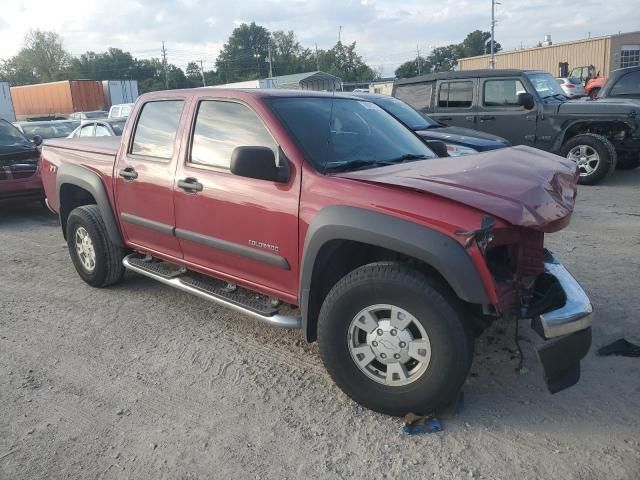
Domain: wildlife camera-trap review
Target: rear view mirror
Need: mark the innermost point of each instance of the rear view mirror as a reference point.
(526, 100)
(37, 140)
(259, 163)
(438, 147)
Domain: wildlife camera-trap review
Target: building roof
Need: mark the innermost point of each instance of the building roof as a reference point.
(460, 74)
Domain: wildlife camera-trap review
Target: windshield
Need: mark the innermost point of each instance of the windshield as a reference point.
(546, 85)
(49, 130)
(10, 136)
(118, 127)
(405, 113)
(338, 134)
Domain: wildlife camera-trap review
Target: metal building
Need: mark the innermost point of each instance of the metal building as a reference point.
(604, 53)
(317, 80)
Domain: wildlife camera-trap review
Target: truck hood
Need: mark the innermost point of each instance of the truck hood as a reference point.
(475, 139)
(604, 106)
(521, 185)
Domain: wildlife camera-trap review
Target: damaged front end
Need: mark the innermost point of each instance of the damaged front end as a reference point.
(532, 284)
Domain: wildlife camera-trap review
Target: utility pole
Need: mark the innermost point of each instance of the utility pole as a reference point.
(270, 63)
(164, 63)
(204, 82)
(418, 60)
(339, 32)
(317, 59)
(492, 64)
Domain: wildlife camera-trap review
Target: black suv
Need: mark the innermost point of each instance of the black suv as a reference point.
(530, 108)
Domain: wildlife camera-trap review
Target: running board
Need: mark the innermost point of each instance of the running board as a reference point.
(196, 284)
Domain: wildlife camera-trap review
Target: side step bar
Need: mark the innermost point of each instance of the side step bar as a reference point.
(135, 263)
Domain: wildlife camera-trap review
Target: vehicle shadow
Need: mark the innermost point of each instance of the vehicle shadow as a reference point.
(17, 214)
(623, 178)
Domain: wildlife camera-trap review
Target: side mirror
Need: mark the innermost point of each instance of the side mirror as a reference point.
(526, 100)
(37, 140)
(259, 163)
(438, 147)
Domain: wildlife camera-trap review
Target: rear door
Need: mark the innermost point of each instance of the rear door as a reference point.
(500, 114)
(236, 227)
(144, 177)
(454, 102)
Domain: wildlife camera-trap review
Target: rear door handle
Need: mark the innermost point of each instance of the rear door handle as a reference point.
(190, 185)
(487, 118)
(128, 173)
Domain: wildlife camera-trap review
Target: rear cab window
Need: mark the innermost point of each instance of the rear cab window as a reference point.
(156, 128)
(220, 127)
(418, 95)
(455, 94)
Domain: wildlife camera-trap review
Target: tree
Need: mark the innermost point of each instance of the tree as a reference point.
(243, 56)
(412, 68)
(42, 59)
(193, 73)
(444, 59)
(343, 61)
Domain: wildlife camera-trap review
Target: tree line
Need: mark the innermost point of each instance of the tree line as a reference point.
(444, 59)
(251, 52)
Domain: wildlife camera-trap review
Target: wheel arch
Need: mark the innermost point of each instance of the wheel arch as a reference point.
(348, 237)
(77, 186)
(606, 128)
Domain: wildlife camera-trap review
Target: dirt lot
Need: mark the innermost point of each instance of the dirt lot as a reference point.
(141, 381)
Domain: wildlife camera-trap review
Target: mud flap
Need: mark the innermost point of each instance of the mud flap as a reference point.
(561, 359)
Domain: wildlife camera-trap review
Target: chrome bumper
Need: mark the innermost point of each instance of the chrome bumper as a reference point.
(577, 312)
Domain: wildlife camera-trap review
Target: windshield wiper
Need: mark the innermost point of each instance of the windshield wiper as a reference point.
(406, 157)
(357, 165)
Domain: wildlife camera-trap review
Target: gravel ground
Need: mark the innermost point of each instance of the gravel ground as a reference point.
(142, 381)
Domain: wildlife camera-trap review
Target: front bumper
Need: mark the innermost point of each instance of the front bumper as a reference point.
(566, 328)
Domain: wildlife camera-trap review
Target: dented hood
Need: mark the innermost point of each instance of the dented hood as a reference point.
(521, 185)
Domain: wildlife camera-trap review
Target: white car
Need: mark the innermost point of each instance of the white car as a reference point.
(106, 127)
(572, 87)
(120, 110)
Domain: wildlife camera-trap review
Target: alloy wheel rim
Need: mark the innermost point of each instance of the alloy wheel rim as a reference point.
(389, 345)
(84, 249)
(586, 157)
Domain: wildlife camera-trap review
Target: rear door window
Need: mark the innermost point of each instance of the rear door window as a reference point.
(418, 95)
(156, 129)
(455, 94)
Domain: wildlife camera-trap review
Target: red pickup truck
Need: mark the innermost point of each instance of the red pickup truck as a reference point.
(324, 213)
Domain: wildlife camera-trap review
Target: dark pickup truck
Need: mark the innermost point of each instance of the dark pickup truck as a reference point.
(310, 211)
(530, 108)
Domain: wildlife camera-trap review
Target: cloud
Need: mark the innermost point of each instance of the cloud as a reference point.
(387, 32)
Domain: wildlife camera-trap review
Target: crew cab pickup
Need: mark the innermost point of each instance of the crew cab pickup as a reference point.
(325, 213)
(530, 108)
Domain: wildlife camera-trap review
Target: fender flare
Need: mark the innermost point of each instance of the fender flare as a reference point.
(436, 249)
(69, 174)
(562, 136)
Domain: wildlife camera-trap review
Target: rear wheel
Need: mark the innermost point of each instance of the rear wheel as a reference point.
(97, 260)
(393, 340)
(594, 154)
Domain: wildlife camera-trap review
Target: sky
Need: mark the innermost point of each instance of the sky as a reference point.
(387, 32)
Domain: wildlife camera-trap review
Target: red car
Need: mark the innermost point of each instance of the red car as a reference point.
(20, 180)
(325, 213)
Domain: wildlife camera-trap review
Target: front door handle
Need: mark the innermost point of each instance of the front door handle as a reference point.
(445, 119)
(128, 173)
(190, 185)
(487, 118)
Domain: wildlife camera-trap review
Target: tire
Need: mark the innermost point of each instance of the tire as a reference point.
(591, 171)
(434, 383)
(628, 163)
(107, 258)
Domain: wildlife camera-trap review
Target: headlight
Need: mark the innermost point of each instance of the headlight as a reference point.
(458, 150)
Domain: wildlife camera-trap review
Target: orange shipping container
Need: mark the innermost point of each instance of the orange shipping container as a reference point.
(57, 98)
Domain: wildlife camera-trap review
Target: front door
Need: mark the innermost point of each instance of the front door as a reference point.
(236, 227)
(145, 175)
(454, 105)
(500, 113)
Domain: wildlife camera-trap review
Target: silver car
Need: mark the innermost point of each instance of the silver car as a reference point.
(572, 87)
(105, 127)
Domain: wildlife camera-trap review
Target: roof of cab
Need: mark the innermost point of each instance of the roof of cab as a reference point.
(454, 75)
(234, 92)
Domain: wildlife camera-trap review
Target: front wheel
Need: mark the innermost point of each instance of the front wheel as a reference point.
(393, 340)
(594, 154)
(97, 260)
